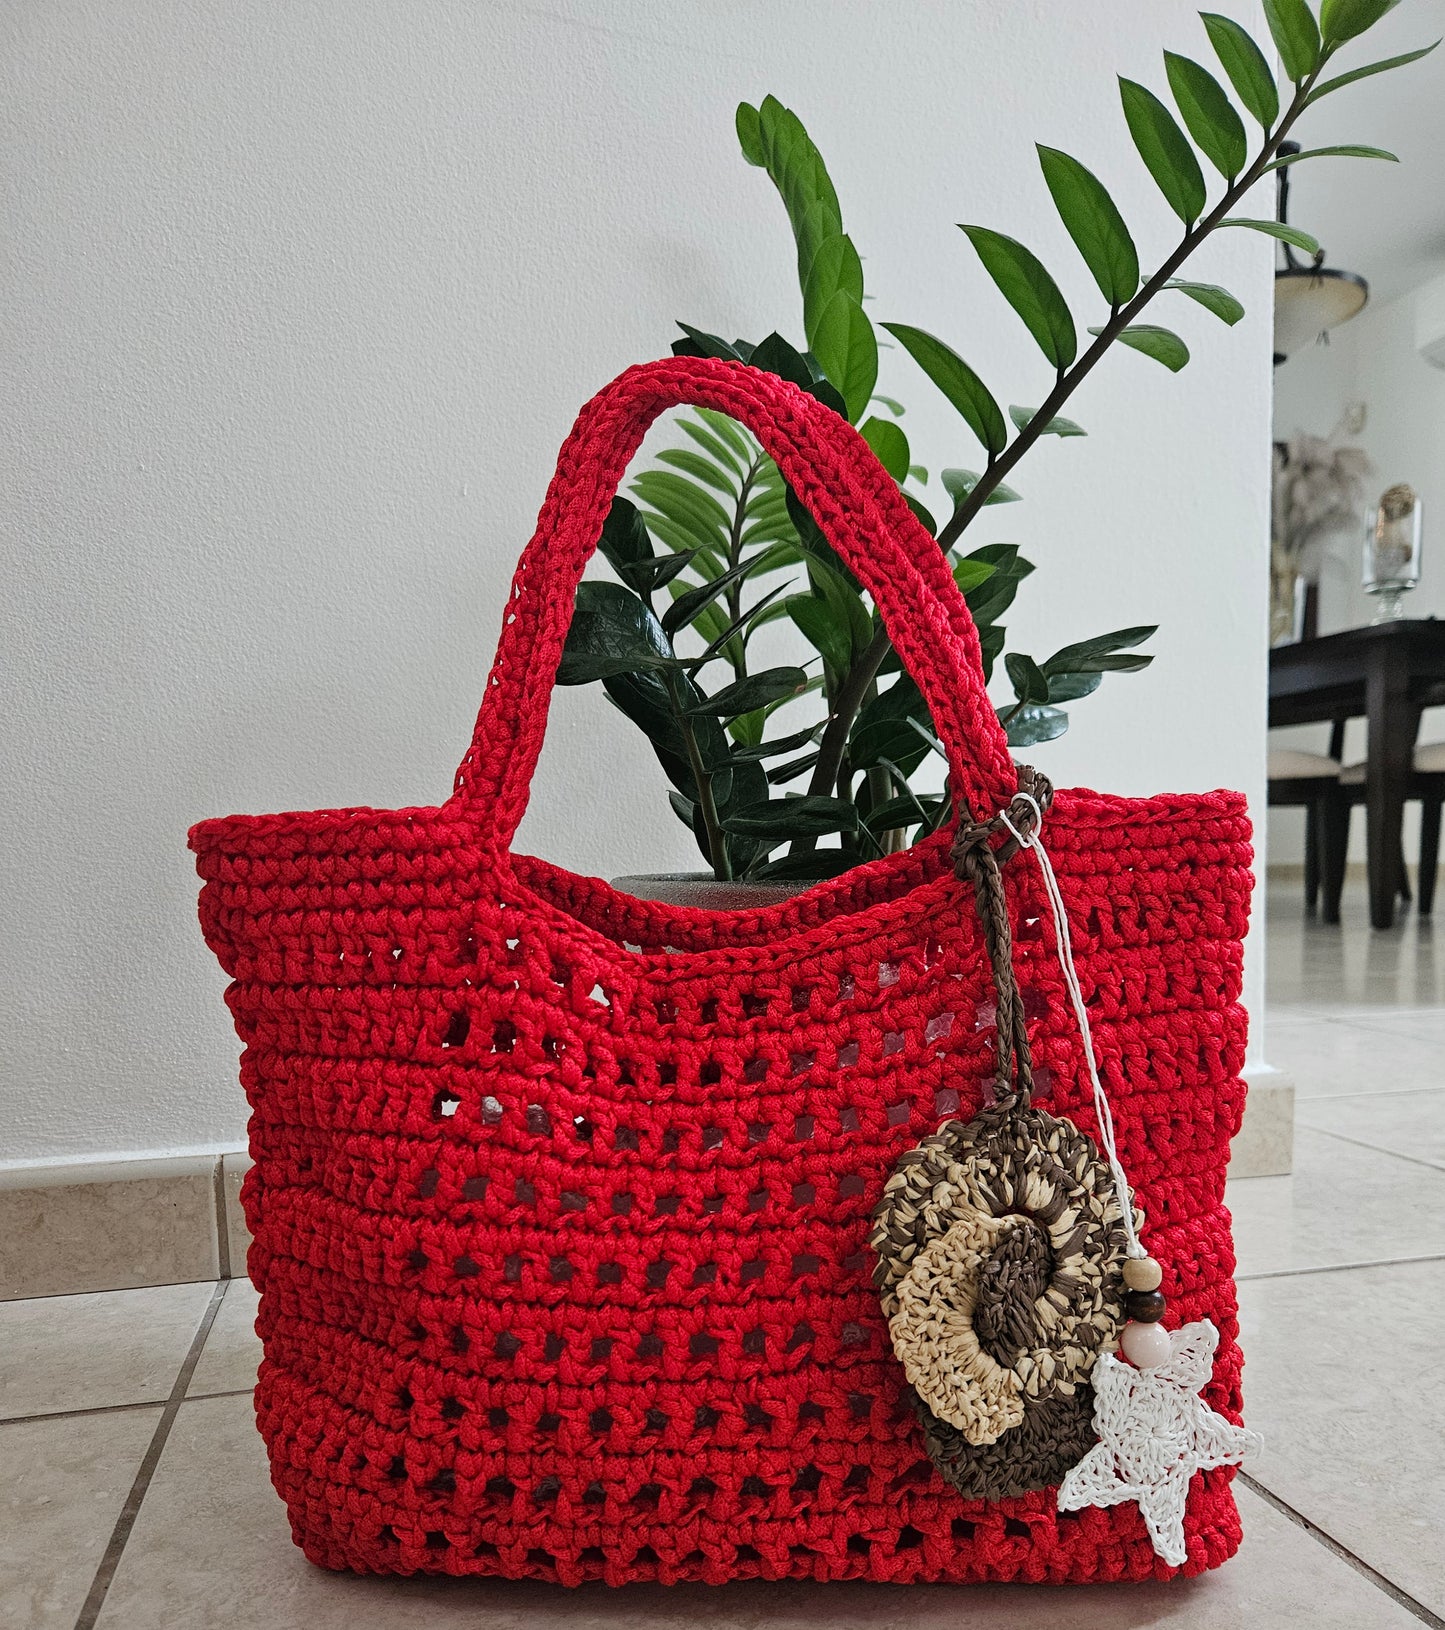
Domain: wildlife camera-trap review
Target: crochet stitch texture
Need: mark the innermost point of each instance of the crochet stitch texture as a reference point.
(561, 1199)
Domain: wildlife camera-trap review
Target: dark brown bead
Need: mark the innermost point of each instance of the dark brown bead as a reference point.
(1145, 1306)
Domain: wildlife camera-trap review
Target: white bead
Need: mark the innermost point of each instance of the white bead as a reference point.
(1145, 1345)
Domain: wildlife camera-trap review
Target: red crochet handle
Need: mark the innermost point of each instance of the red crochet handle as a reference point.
(855, 502)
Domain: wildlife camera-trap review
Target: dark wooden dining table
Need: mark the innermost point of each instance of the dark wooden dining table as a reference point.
(1387, 674)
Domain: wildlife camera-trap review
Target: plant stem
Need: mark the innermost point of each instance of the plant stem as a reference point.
(1070, 378)
(845, 707)
(716, 840)
(734, 595)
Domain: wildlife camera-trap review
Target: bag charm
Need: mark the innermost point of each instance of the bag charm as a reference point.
(1009, 1262)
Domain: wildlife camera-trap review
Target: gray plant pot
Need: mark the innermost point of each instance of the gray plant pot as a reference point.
(703, 891)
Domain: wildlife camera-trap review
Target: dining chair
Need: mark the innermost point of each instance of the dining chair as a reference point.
(1427, 783)
(1310, 781)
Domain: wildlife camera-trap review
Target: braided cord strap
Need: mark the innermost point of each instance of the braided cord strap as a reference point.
(978, 861)
(856, 504)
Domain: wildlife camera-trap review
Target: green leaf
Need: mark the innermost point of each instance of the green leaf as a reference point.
(687, 605)
(1056, 426)
(1028, 288)
(959, 483)
(1296, 36)
(1213, 298)
(1034, 722)
(1026, 677)
(1165, 150)
(1248, 68)
(1331, 152)
(1121, 663)
(754, 691)
(902, 700)
(1160, 343)
(750, 136)
(647, 699)
(651, 575)
(1078, 658)
(798, 172)
(713, 446)
(782, 773)
(625, 543)
(1073, 687)
(815, 866)
(1341, 80)
(887, 742)
(958, 382)
(775, 749)
(969, 574)
(823, 629)
(845, 346)
(894, 406)
(729, 431)
(700, 468)
(903, 811)
(782, 818)
(701, 344)
(845, 599)
(989, 601)
(835, 268)
(687, 505)
(990, 644)
(612, 632)
(889, 445)
(1342, 20)
(922, 514)
(744, 624)
(775, 356)
(1209, 115)
(1277, 229)
(1094, 223)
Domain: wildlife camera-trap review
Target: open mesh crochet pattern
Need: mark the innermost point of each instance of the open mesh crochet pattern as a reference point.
(560, 1199)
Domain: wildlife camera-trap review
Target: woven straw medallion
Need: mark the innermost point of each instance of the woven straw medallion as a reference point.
(1000, 1253)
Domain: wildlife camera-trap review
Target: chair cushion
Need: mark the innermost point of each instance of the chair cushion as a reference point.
(1429, 760)
(1290, 764)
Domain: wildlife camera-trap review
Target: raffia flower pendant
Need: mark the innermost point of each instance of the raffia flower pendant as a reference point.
(1000, 1248)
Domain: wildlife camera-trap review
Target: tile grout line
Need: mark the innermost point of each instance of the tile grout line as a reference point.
(223, 1232)
(1337, 1267)
(115, 1409)
(1375, 1148)
(124, 1523)
(1373, 1575)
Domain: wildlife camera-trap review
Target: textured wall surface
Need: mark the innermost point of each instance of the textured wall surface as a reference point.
(298, 301)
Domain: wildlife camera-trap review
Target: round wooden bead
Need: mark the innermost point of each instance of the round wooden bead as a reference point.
(1142, 1273)
(1147, 1306)
(1145, 1345)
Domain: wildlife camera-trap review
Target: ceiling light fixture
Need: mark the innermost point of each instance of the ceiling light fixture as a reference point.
(1309, 298)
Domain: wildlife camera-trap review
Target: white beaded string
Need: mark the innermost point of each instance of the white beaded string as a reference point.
(1102, 1113)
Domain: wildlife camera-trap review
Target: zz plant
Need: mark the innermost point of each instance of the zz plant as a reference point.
(716, 548)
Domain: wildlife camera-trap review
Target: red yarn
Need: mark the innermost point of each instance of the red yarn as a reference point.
(560, 1198)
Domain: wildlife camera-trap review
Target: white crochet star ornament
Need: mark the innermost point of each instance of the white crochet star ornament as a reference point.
(1155, 1432)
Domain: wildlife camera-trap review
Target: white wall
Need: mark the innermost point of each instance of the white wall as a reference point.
(299, 300)
(1372, 361)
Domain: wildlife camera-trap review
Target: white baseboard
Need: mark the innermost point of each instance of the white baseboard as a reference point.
(1264, 1144)
(115, 1224)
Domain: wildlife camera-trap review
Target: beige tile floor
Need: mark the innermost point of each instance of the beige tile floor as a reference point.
(135, 1494)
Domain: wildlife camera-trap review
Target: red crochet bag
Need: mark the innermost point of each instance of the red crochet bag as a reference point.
(561, 1199)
